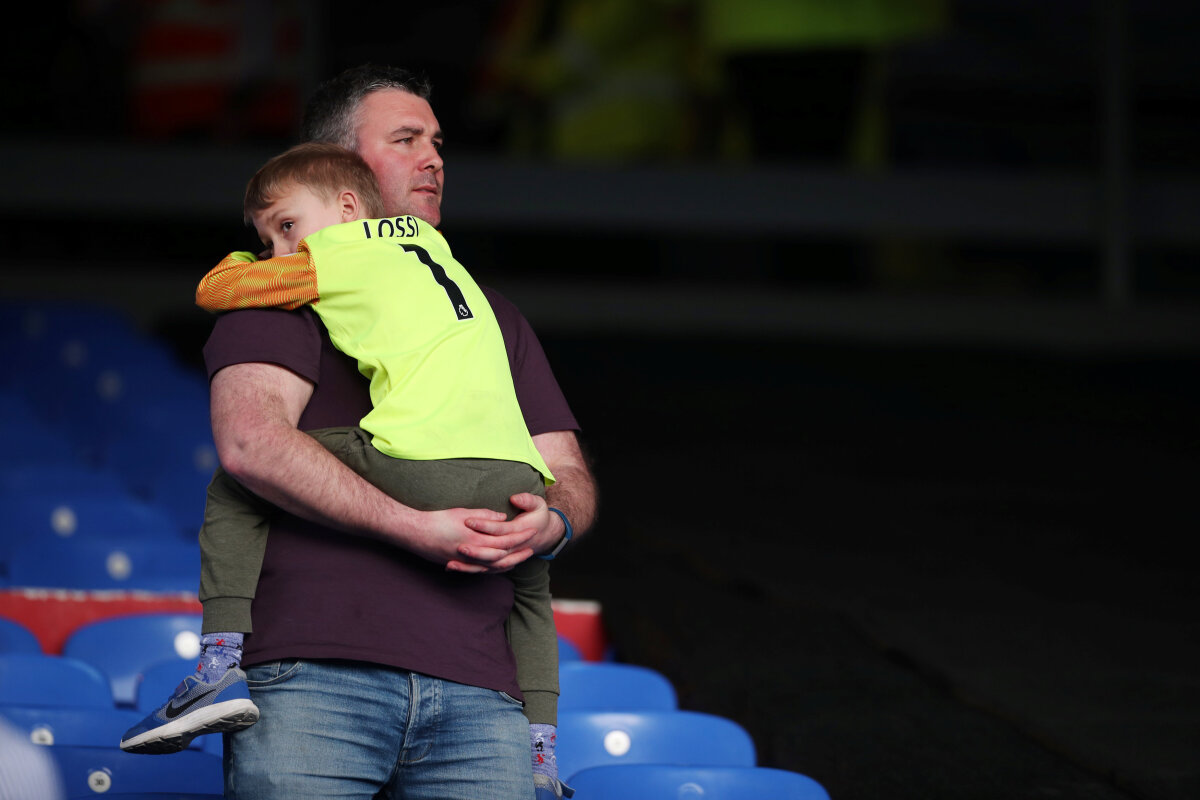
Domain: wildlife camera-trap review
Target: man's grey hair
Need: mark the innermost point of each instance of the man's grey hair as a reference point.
(331, 114)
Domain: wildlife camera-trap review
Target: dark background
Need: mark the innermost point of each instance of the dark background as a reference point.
(897, 445)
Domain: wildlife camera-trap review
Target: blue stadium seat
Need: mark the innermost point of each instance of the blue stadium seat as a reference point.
(657, 781)
(90, 772)
(610, 686)
(163, 796)
(41, 679)
(16, 638)
(143, 640)
(126, 563)
(594, 739)
(70, 726)
(55, 520)
(91, 512)
(65, 477)
(567, 651)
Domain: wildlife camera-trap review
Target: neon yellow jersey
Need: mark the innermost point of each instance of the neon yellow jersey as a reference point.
(393, 297)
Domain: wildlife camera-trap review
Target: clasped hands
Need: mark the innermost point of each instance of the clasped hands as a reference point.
(481, 541)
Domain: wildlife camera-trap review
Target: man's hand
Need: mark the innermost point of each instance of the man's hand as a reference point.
(539, 530)
(452, 538)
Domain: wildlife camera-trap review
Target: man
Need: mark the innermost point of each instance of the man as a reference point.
(379, 659)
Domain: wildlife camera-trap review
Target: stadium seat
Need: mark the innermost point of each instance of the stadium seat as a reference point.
(81, 381)
(122, 648)
(126, 563)
(594, 739)
(16, 638)
(567, 651)
(90, 772)
(25, 433)
(93, 511)
(657, 781)
(70, 726)
(65, 477)
(162, 796)
(609, 686)
(41, 679)
(55, 520)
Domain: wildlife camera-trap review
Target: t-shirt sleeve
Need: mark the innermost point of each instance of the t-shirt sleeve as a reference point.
(290, 339)
(542, 402)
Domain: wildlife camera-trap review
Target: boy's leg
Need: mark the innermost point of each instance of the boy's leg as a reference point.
(534, 640)
(215, 698)
(233, 541)
(487, 483)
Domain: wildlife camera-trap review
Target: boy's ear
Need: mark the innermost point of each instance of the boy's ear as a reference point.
(350, 205)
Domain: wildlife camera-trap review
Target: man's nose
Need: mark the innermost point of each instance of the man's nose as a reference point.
(433, 160)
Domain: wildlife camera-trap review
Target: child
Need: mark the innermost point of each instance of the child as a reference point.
(445, 430)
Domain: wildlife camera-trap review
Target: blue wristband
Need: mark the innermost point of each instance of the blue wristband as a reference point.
(566, 535)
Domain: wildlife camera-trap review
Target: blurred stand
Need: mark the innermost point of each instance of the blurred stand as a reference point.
(966, 150)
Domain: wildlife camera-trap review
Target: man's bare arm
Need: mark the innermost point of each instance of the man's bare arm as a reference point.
(255, 410)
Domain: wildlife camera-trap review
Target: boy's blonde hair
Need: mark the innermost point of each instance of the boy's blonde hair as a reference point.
(324, 169)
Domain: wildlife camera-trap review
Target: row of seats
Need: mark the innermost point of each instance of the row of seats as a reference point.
(150, 641)
(114, 451)
(108, 493)
(620, 726)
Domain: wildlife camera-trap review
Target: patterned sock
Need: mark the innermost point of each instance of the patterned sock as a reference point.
(219, 652)
(542, 739)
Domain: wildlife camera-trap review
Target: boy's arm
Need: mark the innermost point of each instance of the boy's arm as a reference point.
(241, 281)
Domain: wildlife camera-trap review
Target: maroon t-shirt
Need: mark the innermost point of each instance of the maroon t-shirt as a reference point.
(327, 594)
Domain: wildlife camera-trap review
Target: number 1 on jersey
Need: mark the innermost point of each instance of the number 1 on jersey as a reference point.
(457, 299)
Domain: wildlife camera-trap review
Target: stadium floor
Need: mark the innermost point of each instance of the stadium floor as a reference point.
(908, 572)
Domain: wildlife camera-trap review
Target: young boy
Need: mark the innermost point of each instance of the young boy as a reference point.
(445, 430)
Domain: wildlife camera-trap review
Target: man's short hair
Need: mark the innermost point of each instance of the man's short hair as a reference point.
(331, 114)
(324, 169)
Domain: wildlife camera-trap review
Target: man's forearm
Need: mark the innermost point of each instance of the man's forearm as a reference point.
(574, 489)
(293, 471)
(254, 412)
(574, 494)
(255, 408)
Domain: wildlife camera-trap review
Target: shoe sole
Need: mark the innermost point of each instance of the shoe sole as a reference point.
(171, 737)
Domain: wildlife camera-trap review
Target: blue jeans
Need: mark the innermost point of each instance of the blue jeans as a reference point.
(342, 729)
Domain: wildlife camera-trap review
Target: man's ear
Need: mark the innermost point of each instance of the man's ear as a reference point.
(350, 205)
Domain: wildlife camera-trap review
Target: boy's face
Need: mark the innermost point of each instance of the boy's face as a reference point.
(296, 213)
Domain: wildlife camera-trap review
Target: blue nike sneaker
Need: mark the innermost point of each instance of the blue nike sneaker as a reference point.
(194, 709)
(547, 788)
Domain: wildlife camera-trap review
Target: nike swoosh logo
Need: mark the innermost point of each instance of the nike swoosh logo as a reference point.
(172, 711)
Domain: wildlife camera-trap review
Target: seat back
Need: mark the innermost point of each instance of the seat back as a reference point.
(610, 686)
(130, 564)
(95, 771)
(656, 781)
(16, 638)
(41, 679)
(567, 651)
(123, 647)
(593, 739)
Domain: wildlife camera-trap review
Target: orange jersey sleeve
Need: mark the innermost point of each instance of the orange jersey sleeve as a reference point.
(240, 281)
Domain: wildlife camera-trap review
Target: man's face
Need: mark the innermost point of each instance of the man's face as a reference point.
(400, 139)
(294, 214)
